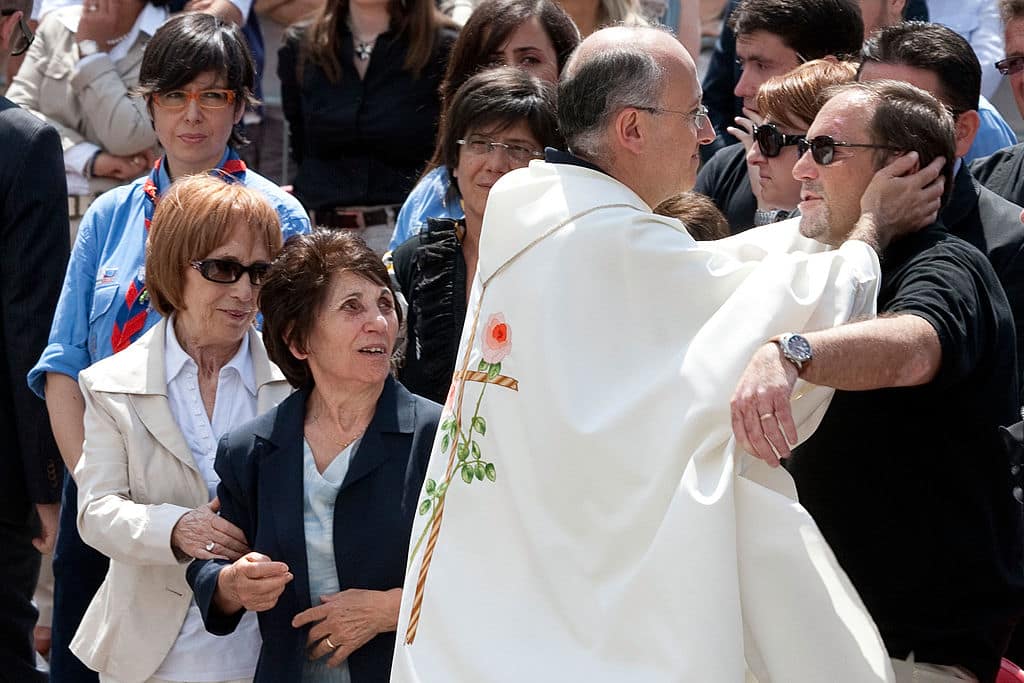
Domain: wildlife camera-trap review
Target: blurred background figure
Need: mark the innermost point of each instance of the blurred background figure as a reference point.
(153, 416)
(698, 214)
(499, 120)
(534, 35)
(324, 486)
(78, 77)
(196, 78)
(34, 242)
(359, 88)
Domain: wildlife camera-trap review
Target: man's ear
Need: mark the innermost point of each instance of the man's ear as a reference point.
(966, 128)
(7, 26)
(631, 130)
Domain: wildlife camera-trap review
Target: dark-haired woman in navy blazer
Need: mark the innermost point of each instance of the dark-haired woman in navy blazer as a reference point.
(324, 485)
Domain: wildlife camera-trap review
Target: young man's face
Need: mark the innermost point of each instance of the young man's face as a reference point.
(761, 55)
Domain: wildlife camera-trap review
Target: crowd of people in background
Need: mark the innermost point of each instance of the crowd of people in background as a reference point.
(243, 246)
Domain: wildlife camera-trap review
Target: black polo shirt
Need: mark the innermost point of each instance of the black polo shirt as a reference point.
(911, 486)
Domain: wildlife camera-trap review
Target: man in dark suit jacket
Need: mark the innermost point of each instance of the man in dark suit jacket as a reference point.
(936, 59)
(33, 255)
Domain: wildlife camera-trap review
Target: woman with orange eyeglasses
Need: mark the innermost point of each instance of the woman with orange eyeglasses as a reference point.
(197, 78)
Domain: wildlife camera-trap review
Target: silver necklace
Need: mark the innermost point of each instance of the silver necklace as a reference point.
(341, 444)
(364, 49)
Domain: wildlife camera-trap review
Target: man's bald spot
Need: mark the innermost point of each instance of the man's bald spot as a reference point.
(660, 44)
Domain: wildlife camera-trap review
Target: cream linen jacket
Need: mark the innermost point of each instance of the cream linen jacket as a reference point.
(90, 105)
(136, 478)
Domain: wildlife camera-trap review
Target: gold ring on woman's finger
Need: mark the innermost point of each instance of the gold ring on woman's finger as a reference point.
(209, 547)
(767, 415)
(330, 644)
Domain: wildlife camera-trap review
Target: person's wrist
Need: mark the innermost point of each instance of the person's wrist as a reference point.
(867, 230)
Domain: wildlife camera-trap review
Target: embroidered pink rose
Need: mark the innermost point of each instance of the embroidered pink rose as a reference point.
(497, 341)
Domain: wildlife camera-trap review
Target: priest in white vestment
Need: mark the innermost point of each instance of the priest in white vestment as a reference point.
(586, 514)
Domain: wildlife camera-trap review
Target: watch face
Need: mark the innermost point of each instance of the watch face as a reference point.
(798, 348)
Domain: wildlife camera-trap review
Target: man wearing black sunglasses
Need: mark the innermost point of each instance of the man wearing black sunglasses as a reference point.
(906, 476)
(1003, 171)
(34, 244)
(773, 37)
(937, 59)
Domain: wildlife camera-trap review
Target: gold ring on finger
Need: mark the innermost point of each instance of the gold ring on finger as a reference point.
(330, 644)
(767, 416)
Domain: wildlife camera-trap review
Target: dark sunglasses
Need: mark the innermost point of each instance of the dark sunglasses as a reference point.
(771, 141)
(228, 272)
(21, 42)
(1010, 65)
(823, 148)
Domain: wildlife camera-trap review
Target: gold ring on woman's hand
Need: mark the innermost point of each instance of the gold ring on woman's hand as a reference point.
(330, 644)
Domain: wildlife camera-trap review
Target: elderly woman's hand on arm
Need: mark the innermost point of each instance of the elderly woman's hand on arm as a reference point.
(204, 535)
(349, 620)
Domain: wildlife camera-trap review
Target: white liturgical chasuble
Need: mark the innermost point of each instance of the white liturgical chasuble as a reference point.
(587, 516)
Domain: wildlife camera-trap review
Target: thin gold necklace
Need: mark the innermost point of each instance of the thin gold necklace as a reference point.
(342, 444)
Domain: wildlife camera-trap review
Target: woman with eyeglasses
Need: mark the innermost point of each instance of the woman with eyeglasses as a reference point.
(196, 78)
(534, 35)
(789, 104)
(153, 416)
(499, 120)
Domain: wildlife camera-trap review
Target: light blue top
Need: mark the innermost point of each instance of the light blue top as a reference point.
(319, 493)
(429, 199)
(993, 134)
(109, 250)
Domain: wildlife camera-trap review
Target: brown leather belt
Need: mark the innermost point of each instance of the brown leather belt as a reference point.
(354, 217)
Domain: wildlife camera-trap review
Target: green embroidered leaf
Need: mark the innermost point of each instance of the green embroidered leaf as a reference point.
(441, 489)
(446, 441)
(483, 367)
(462, 451)
(431, 487)
(467, 475)
(493, 371)
(475, 449)
(446, 426)
(479, 471)
(425, 506)
(453, 427)
(479, 425)
(490, 472)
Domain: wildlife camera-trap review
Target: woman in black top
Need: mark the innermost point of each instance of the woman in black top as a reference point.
(499, 120)
(360, 91)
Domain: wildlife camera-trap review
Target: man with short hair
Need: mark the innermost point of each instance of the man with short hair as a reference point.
(585, 516)
(772, 38)
(1003, 171)
(938, 60)
(906, 476)
(34, 244)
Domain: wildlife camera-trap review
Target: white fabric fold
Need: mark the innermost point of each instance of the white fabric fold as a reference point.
(623, 536)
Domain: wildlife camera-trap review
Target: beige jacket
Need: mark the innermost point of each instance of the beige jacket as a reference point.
(136, 478)
(91, 104)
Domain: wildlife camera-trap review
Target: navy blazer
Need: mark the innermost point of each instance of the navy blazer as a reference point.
(261, 491)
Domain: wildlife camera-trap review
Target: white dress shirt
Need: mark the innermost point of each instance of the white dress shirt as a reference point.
(197, 655)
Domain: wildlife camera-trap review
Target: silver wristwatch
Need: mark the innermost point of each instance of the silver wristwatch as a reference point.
(87, 48)
(795, 348)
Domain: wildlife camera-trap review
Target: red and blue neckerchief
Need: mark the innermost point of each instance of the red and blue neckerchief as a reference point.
(130, 320)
